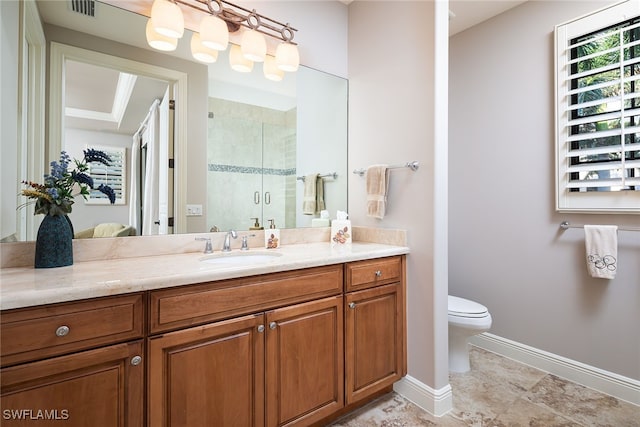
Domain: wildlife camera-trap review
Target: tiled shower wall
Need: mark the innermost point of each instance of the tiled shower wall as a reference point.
(251, 160)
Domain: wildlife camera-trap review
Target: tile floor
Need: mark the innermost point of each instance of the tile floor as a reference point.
(499, 392)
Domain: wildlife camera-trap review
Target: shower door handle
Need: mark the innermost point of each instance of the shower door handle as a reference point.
(256, 197)
(267, 198)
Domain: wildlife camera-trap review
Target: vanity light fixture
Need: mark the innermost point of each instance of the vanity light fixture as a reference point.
(159, 41)
(253, 45)
(201, 52)
(167, 18)
(219, 19)
(271, 70)
(238, 61)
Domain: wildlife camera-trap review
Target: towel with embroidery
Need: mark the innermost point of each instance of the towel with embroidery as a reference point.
(601, 242)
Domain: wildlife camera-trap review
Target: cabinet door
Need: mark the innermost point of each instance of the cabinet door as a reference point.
(100, 388)
(304, 362)
(211, 375)
(374, 340)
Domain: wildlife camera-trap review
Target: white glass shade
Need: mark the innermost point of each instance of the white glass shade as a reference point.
(253, 45)
(271, 70)
(287, 57)
(201, 52)
(214, 33)
(167, 18)
(238, 61)
(159, 41)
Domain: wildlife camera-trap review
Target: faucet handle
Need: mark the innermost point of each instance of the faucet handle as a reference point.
(245, 244)
(207, 247)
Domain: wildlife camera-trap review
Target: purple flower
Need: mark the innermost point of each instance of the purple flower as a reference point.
(93, 155)
(108, 191)
(82, 178)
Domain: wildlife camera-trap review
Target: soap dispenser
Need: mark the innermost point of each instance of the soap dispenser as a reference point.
(256, 225)
(272, 236)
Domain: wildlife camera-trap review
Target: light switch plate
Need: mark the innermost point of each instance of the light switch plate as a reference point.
(194, 210)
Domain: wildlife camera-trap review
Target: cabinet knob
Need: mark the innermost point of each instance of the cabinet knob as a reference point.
(378, 273)
(273, 325)
(261, 328)
(352, 305)
(62, 331)
(136, 360)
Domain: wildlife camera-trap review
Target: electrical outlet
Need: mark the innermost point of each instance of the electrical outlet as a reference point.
(194, 210)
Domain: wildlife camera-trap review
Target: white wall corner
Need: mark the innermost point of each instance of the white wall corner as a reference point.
(436, 402)
(615, 385)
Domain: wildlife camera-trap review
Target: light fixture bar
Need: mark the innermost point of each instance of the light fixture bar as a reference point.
(238, 15)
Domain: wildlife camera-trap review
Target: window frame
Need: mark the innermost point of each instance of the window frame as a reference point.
(589, 201)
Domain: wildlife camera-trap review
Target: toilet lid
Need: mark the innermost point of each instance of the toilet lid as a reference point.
(465, 308)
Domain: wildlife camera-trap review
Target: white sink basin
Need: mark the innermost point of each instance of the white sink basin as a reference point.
(240, 258)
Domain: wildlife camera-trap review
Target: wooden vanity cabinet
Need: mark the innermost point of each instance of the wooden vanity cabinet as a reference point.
(304, 362)
(294, 348)
(283, 367)
(375, 319)
(69, 364)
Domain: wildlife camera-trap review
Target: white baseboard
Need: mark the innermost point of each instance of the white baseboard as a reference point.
(436, 402)
(598, 379)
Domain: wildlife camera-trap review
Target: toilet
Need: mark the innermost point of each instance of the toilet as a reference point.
(466, 319)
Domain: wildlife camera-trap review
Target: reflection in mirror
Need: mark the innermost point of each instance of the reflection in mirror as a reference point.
(319, 127)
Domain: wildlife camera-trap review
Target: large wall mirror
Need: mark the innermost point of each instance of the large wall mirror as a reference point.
(240, 145)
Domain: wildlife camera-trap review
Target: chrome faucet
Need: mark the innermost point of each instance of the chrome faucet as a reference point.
(226, 246)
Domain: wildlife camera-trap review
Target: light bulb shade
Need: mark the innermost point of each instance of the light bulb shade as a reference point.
(201, 52)
(159, 41)
(271, 70)
(214, 33)
(237, 60)
(253, 45)
(287, 57)
(167, 18)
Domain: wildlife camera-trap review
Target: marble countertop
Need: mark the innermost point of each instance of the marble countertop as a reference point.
(26, 286)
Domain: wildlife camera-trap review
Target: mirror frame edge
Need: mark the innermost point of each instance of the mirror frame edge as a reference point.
(60, 52)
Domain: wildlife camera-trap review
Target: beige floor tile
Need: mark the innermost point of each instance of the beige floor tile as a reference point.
(583, 405)
(522, 413)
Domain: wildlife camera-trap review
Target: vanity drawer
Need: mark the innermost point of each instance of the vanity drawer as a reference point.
(374, 272)
(197, 304)
(40, 332)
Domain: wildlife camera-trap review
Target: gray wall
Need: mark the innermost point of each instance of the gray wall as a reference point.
(506, 250)
(391, 120)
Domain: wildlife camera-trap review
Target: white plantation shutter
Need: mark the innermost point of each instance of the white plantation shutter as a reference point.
(112, 175)
(598, 111)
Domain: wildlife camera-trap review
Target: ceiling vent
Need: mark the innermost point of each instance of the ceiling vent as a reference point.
(85, 7)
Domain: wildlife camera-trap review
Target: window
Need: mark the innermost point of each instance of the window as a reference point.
(598, 111)
(112, 175)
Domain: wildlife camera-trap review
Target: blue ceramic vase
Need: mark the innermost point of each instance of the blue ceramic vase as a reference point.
(54, 244)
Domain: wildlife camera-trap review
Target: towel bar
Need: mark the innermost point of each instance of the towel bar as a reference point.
(565, 224)
(333, 175)
(411, 165)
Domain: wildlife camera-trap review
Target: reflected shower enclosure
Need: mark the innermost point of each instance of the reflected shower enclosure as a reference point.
(251, 163)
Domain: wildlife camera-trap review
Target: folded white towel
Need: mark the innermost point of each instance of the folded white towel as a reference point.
(309, 197)
(601, 242)
(377, 182)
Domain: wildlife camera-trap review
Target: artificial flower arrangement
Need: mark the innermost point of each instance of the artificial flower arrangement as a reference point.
(55, 196)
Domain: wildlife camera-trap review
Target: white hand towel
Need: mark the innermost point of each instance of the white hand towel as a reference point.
(601, 242)
(377, 181)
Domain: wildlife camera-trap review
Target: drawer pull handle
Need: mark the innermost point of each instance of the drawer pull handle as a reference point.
(62, 331)
(378, 273)
(261, 328)
(136, 360)
(352, 305)
(273, 325)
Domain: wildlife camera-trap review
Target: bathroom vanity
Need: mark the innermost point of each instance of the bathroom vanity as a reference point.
(298, 340)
